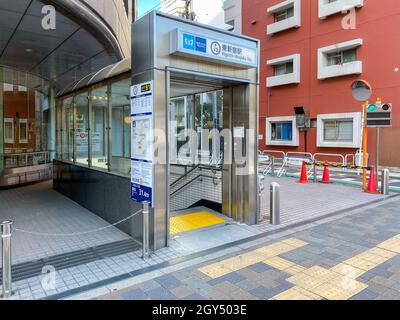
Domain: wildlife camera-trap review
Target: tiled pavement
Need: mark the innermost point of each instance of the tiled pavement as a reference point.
(355, 256)
(59, 214)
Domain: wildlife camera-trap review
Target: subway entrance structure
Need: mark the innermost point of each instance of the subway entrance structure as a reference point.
(178, 129)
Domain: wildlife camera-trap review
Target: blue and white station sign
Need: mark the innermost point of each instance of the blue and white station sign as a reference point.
(187, 43)
(141, 142)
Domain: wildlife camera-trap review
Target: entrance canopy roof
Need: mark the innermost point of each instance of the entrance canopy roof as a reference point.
(81, 43)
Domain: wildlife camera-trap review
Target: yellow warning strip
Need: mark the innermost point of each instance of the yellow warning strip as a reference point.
(339, 282)
(227, 266)
(193, 221)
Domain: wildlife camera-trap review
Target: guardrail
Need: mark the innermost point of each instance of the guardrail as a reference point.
(329, 155)
(292, 159)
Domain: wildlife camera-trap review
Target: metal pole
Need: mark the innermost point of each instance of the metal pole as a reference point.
(6, 256)
(275, 203)
(146, 242)
(385, 182)
(315, 172)
(272, 166)
(364, 146)
(377, 153)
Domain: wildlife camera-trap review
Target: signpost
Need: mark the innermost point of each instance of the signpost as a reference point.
(379, 115)
(362, 91)
(142, 143)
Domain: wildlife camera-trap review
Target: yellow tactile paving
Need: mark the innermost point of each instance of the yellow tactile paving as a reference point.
(193, 221)
(297, 293)
(392, 244)
(333, 292)
(279, 263)
(336, 283)
(294, 270)
(339, 282)
(224, 267)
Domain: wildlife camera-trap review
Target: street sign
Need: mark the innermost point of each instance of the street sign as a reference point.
(141, 143)
(379, 115)
(361, 90)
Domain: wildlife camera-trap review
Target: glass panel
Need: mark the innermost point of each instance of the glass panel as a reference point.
(23, 131)
(349, 55)
(82, 128)
(68, 130)
(59, 129)
(282, 131)
(334, 58)
(330, 130)
(98, 128)
(121, 127)
(182, 119)
(338, 130)
(208, 116)
(345, 130)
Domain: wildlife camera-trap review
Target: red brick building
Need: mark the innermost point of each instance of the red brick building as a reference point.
(311, 53)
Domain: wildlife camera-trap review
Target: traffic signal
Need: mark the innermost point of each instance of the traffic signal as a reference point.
(379, 114)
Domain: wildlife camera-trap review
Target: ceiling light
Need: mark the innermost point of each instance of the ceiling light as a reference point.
(28, 50)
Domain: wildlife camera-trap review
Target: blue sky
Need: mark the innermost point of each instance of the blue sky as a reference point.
(146, 5)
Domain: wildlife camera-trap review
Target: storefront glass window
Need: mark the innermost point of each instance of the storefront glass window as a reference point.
(68, 130)
(99, 132)
(121, 127)
(82, 129)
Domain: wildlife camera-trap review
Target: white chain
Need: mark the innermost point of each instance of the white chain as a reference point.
(77, 233)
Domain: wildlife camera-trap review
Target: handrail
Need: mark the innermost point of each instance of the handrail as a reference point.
(184, 176)
(214, 169)
(190, 182)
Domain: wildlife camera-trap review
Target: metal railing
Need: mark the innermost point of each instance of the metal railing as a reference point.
(17, 160)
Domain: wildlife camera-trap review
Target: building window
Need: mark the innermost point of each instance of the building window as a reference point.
(287, 15)
(23, 131)
(339, 130)
(330, 7)
(341, 57)
(8, 130)
(282, 131)
(286, 70)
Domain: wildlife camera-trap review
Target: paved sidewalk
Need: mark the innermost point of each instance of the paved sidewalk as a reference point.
(40, 208)
(356, 256)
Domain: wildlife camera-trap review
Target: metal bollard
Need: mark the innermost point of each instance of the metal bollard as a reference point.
(315, 173)
(275, 203)
(385, 182)
(146, 236)
(6, 256)
(272, 166)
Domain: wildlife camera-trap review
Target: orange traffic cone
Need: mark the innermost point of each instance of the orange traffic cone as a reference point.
(303, 176)
(372, 184)
(325, 177)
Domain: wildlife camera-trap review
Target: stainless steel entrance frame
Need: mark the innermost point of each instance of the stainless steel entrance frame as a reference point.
(154, 60)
